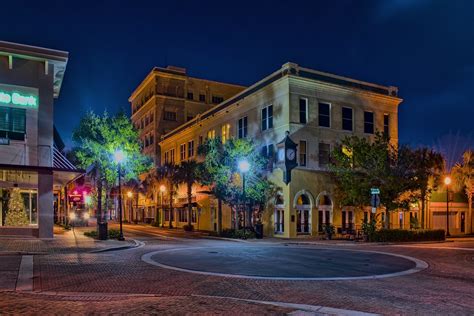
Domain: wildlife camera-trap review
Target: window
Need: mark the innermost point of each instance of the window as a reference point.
(200, 140)
(324, 112)
(152, 139)
(170, 116)
(267, 117)
(268, 151)
(303, 111)
(225, 133)
(368, 122)
(182, 215)
(12, 123)
(217, 100)
(191, 148)
(211, 134)
(182, 152)
(171, 156)
(386, 129)
(302, 148)
(202, 98)
(242, 132)
(324, 154)
(167, 157)
(151, 118)
(190, 96)
(347, 119)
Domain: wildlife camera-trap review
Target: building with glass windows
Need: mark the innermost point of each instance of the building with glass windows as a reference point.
(317, 110)
(33, 171)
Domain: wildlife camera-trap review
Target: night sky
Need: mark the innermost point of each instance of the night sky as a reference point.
(426, 48)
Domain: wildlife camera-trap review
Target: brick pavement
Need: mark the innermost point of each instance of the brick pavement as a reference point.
(9, 266)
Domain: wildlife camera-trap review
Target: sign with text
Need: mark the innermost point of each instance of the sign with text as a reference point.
(374, 191)
(18, 96)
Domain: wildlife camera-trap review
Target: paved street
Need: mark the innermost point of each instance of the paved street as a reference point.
(223, 276)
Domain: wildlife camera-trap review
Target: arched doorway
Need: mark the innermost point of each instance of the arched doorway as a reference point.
(325, 215)
(303, 214)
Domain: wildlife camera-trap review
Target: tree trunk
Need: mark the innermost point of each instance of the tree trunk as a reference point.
(470, 210)
(98, 214)
(219, 216)
(190, 205)
(387, 221)
(423, 209)
(171, 208)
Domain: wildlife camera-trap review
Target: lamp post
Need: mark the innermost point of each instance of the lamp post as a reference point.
(119, 157)
(447, 181)
(162, 191)
(130, 207)
(244, 167)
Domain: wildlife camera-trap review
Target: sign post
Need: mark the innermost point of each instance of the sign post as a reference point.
(375, 199)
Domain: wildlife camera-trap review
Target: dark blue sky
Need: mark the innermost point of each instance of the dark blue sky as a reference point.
(426, 48)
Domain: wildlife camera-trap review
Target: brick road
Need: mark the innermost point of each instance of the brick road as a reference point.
(445, 287)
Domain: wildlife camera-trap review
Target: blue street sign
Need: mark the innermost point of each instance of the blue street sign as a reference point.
(374, 191)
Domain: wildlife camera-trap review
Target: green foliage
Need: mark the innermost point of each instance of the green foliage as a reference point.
(155, 224)
(369, 228)
(187, 173)
(329, 229)
(113, 234)
(188, 228)
(238, 233)
(91, 234)
(220, 171)
(16, 214)
(414, 223)
(401, 235)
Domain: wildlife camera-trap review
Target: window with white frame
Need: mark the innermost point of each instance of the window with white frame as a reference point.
(167, 157)
(172, 156)
(191, 148)
(347, 124)
(324, 154)
(182, 152)
(267, 117)
(242, 127)
(303, 110)
(368, 122)
(386, 122)
(302, 150)
(324, 114)
(211, 134)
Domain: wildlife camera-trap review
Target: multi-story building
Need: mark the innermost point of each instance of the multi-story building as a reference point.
(31, 164)
(168, 98)
(318, 110)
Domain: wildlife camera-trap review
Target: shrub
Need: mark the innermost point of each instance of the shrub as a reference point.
(238, 234)
(91, 234)
(114, 233)
(155, 224)
(403, 235)
(188, 228)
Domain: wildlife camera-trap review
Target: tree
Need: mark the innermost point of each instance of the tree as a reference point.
(220, 172)
(16, 215)
(463, 174)
(96, 138)
(168, 173)
(428, 167)
(188, 174)
(359, 164)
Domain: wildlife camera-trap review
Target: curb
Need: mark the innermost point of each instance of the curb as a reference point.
(136, 244)
(225, 239)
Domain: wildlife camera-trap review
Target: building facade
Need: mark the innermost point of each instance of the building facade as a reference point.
(168, 98)
(32, 168)
(317, 110)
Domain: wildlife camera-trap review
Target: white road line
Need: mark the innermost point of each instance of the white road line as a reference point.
(299, 307)
(419, 266)
(24, 281)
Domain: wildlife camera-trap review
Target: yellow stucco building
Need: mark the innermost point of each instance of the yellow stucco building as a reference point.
(318, 110)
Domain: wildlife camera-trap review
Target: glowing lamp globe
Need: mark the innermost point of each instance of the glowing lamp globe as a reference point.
(162, 188)
(119, 156)
(244, 166)
(129, 194)
(447, 180)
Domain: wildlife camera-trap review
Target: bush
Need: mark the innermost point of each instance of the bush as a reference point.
(238, 234)
(188, 228)
(91, 234)
(403, 235)
(114, 233)
(155, 224)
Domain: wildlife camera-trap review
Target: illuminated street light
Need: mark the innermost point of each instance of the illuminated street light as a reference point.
(244, 167)
(119, 158)
(129, 194)
(447, 181)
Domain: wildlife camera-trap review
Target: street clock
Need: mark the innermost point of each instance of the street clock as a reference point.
(287, 157)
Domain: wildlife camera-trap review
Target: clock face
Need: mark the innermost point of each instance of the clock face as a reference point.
(290, 154)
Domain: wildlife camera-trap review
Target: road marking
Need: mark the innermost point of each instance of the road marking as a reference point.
(436, 247)
(24, 281)
(319, 310)
(419, 266)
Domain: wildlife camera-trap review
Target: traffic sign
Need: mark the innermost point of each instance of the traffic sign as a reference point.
(374, 191)
(374, 210)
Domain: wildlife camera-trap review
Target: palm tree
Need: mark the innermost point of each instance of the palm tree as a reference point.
(463, 173)
(188, 174)
(168, 173)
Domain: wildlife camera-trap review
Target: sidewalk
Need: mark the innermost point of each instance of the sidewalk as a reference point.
(72, 241)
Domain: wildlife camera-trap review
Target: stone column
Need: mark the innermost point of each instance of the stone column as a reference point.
(45, 204)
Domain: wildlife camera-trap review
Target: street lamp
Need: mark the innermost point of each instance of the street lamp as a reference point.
(447, 181)
(162, 191)
(119, 157)
(244, 167)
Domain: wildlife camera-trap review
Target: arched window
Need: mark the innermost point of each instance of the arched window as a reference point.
(303, 200)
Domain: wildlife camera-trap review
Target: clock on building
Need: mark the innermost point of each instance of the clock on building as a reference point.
(287, 157)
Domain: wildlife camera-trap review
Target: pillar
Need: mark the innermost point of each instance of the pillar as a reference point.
(45, 204)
